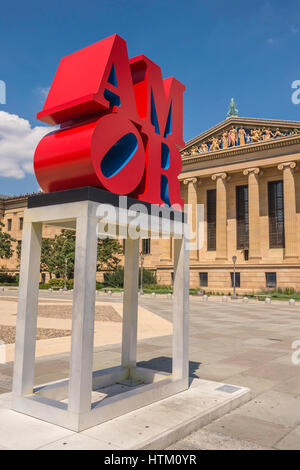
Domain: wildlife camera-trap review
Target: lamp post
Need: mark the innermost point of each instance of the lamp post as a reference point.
(141, 281)
(234, 262)
(66, 265)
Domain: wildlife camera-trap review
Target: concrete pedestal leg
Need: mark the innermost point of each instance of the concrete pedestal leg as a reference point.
(81, 367)
(27, 309)
(130, 303)
(181, 311)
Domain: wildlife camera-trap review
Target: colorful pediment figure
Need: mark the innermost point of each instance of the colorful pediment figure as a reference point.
(242, 135)
(204, 148)
(225, 140)
(256, 135)
(277, 133)
(267, 134)
(215, 144)
(194, 150)
(233, 136)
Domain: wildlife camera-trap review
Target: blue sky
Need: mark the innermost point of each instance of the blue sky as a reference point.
(218, 49)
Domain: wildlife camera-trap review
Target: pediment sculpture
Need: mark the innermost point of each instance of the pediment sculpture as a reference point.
(237, 136)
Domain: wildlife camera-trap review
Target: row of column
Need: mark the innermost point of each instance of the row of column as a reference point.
(291, 250)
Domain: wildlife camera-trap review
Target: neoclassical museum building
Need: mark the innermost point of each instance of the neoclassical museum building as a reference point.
(245, 172)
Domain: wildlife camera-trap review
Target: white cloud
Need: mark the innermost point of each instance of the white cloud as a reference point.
(43, 92)
(18, 141)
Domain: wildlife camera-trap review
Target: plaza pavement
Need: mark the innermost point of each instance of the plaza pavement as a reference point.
(247, 344)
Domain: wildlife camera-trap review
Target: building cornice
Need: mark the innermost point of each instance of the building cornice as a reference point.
(241, 150)
(244, 121)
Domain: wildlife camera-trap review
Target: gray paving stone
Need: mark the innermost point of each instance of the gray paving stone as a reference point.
(274, 407)
(244, 345)
(250, 429)
(291, 441)
(205, 440)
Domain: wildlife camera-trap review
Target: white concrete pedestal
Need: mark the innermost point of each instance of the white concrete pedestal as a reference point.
(152, 427)
(69, 403)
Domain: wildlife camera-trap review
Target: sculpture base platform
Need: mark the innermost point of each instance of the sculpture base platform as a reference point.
(70, 403)
(156, 426)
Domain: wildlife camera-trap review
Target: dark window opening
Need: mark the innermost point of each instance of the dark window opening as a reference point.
(276, 214)
(237, 279)
(211, 219)
(242, 217)
(21, 223)
(246, 255)
(146, 246)
(9, 223)
(203, 279)
(271, 280)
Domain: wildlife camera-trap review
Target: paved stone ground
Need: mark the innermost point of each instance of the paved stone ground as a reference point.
(242, 344)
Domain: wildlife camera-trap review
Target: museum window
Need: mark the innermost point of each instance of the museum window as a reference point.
(242, 218)
(237, 279)
(146, 246)
(211, 219)
(9, 223)
(20, 223)
(276, 214)
(203, 279)
(271, 280)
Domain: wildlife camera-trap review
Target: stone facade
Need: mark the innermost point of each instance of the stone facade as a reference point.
(237, 152)
(273, 154)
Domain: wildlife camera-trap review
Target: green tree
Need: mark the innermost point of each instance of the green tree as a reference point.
(55, 252)
(108, 250)
(47, 256)
(6, 242)
(64, 248)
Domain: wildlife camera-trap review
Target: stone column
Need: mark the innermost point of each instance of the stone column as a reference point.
(192, 213)
(289, 195)
(253, 210)
(221, 229)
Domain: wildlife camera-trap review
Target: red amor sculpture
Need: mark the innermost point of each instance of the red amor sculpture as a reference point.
(120, 126)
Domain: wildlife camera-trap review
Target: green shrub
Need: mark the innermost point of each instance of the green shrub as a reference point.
(116, 278)
(8, 279)
(158, 289)
(56, 283)
(289, 291)
(43, 285)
